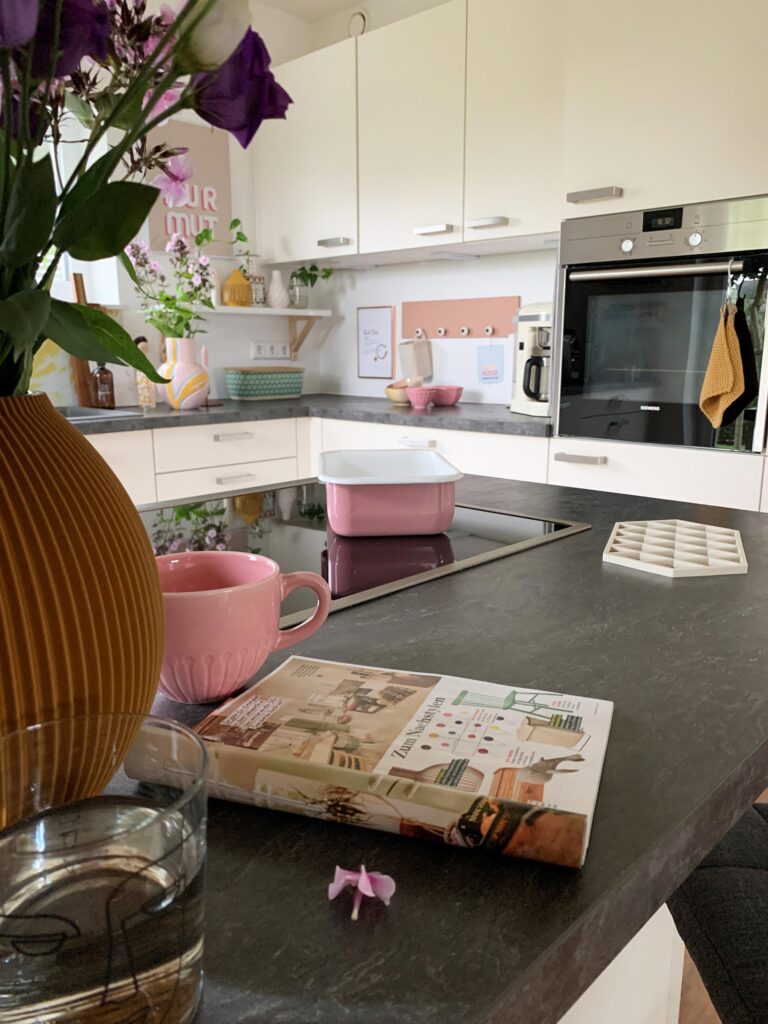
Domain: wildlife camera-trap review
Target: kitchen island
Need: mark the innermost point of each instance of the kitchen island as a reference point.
(470, 939)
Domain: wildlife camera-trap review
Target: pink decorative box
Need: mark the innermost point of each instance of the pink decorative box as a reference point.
(388, 493)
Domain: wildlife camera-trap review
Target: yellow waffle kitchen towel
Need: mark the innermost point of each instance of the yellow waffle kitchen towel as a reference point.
(724, 379)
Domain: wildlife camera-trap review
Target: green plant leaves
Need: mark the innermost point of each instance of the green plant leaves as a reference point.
(102, 224)
(82, 110)
(23, 317)
(30, 214)
(90, 334)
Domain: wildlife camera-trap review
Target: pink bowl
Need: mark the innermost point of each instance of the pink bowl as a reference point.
(447, 394)
(420, 397)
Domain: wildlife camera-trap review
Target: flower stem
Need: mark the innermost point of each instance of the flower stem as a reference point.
(356, 904)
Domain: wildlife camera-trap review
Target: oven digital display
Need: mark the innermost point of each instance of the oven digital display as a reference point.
(662, 220)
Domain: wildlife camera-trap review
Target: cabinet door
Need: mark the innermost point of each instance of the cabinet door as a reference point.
(411, 135)
(513, 168)
(665, 99)
(130, 456)
(307, 164)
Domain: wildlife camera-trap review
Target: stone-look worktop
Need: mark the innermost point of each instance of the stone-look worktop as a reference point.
(468, 938)
(475, 416)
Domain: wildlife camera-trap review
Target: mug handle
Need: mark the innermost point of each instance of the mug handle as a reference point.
(292, 581)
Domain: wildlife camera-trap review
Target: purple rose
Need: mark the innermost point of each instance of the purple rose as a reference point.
(242, 93)
(83, 32)
(18, 19)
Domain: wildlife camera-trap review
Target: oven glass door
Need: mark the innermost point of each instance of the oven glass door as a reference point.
(635, 353)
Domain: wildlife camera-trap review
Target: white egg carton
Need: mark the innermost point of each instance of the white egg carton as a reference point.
(676, 548)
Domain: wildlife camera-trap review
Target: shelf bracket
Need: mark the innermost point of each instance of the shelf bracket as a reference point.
(298, 335)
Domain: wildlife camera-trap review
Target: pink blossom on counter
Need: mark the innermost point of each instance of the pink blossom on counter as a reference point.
(366, 883)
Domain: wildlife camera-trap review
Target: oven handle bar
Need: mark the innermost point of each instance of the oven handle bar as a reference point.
(662, 270)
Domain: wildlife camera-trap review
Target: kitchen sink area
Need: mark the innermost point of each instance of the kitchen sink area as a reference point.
(85, 414)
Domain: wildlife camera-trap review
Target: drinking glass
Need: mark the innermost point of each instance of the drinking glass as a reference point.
(102, 849)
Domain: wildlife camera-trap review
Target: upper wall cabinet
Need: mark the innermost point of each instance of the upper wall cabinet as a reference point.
(307, 164)
(411, 136)
(513, 169)
(664, 99)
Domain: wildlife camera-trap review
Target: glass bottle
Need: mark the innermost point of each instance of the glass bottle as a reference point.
(103, 387)
(297, 292)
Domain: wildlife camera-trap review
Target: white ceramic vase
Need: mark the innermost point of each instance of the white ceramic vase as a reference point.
(277, 293)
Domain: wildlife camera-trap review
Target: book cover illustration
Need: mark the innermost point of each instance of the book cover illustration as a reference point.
(470, 763)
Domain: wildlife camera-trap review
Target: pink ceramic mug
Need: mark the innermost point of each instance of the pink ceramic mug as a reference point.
(222, 620)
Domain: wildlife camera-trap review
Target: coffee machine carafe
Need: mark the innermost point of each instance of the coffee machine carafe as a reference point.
(530, 380)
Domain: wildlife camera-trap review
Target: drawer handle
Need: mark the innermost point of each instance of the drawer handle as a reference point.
(243, 435)
(236, 478)
(589, 195)
(332, 243)
(434, 229)
(414, 442)
(584, 460)
(488, 222)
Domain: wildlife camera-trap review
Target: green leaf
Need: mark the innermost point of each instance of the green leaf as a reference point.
(23, 317)
(90, 181)
(80, 108)
(235, 223)
(128, 117)
(90, 334)
(128, 266)
(105, 223)
(30, 214)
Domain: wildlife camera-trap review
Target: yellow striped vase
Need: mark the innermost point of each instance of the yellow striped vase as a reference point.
(188, 385)
(81, 611)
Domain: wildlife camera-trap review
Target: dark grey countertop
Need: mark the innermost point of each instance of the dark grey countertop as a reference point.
(472, 939)
(486, 419)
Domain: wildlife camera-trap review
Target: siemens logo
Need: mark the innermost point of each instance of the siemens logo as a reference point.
(650, 408)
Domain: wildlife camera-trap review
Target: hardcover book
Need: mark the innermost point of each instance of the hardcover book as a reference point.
(473, 764)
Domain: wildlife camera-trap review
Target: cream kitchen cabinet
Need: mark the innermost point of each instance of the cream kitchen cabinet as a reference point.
(130, 457)
(764, 493)
(663, 100)
(514, 110)
(411, 130)
(730, 479)
(508, 456)
(307, 164)
(222, 479)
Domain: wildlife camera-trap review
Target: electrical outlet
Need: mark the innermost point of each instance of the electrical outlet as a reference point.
(270, 350)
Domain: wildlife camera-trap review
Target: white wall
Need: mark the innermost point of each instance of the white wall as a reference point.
(330, 358)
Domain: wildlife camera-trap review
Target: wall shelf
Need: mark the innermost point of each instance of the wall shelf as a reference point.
(300, 321)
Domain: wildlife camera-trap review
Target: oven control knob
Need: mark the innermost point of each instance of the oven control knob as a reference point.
(695, 238)
(627, 245)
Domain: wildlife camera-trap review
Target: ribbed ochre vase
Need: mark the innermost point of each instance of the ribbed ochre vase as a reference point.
(81, 612)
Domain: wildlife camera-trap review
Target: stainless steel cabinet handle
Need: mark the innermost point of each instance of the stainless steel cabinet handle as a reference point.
(588, 195)
(487, 222)
(243, 435)
(434, 229)
(235, 478)
(332, 243)
(584, 460)
(415, 442)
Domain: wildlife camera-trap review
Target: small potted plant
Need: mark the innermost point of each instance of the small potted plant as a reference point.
(304, 278)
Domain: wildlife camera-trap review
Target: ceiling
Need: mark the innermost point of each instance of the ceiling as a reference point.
(311, 10)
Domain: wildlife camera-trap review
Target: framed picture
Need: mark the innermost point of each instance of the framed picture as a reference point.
(376, 341)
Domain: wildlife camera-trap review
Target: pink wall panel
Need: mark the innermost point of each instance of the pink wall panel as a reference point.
(453, 314)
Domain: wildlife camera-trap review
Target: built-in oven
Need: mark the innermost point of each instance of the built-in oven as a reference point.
(639, 302)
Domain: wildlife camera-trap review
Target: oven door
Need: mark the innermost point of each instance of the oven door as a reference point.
(636, 342)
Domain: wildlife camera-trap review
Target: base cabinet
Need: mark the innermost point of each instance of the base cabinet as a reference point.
(130, 456)
(730, 479)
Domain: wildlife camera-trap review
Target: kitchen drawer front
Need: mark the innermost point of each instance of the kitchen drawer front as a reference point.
(130, 457)
(178, 448)
(510, 457)
(225, 479)
(679, 474)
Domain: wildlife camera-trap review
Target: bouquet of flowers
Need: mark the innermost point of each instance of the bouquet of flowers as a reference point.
(117, 71)
(174, 309)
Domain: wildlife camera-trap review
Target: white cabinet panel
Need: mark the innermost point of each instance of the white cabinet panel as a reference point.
(513, 165)
(509, 457)
(130, 457)
(411, 130)
(307, 164)
(222, 479)
(178, 448)
(764, 495)
(682, 474)
(645, 111)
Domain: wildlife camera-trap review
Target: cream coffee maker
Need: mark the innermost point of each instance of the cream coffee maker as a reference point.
(530, 379)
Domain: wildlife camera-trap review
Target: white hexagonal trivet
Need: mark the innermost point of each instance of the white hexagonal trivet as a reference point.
(675, 547)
